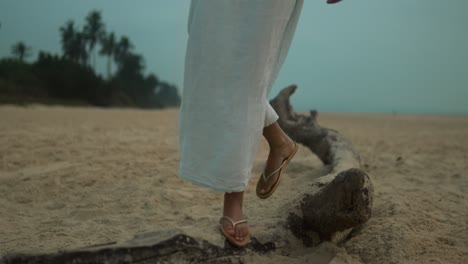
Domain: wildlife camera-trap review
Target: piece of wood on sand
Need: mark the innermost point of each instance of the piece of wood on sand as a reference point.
(327, 210)
(338, 202)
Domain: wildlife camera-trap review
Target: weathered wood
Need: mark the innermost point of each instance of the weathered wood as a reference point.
(153, 247)
(328, 209)
(339, 201)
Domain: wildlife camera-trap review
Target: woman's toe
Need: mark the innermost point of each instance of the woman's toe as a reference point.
(229, 230)
(243, 233)
(238, 235)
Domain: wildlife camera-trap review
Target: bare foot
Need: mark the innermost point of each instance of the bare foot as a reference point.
(276, 156)
(233, 209)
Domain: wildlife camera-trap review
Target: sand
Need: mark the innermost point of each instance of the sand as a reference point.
(74, 177)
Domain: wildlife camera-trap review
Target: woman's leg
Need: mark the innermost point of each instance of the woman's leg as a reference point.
(233, 209)
(234, 52)
(281, 146)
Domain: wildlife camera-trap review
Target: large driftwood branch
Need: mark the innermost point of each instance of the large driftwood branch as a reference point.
(331, 207)
(330, 146)
(339, 201)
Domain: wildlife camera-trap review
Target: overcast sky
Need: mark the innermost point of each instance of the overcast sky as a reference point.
(355, 56)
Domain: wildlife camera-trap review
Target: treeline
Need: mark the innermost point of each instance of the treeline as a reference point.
(71, 77)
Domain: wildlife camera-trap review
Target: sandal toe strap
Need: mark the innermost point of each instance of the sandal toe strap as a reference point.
(272, 173)
(234, 223)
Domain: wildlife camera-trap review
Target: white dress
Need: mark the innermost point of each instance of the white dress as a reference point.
(234, 52)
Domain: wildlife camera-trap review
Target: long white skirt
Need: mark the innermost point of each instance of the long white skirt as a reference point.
(234, 52)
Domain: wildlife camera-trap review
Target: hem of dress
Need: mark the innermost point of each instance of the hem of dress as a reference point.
(271, 122)
(213, 187)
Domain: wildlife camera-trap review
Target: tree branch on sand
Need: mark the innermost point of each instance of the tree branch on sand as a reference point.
(328, 209)
(338, 201)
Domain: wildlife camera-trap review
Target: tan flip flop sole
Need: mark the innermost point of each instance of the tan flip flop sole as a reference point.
(279, 170)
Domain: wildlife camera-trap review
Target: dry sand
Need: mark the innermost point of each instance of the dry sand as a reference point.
(73, 177)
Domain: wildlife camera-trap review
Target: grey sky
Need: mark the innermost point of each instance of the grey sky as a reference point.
(356, 56)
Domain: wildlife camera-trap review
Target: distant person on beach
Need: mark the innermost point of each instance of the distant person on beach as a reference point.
(234, 52)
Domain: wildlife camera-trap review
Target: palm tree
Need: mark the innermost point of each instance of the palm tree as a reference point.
(131, 66)
(108, 48)
(20, 50)
(73, 43)
(79, 47)
(68, 33)
(94, 30)
(122, 49)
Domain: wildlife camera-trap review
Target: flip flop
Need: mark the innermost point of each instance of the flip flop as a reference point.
(230, 238)
(279, 170)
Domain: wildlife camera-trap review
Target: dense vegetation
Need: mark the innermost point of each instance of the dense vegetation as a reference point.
(70, 78)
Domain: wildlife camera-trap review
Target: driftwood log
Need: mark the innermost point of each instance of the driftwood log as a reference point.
(328, 209)
(336, 203)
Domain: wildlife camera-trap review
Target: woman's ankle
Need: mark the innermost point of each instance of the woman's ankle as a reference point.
(280, 144)
(233, 204)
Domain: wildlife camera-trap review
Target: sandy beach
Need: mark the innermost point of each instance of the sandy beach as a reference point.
(72, 177)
